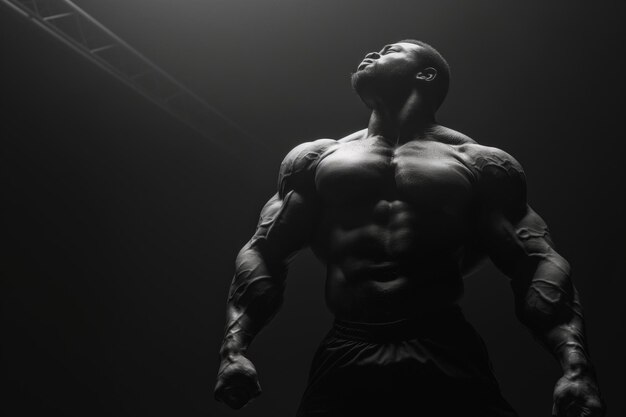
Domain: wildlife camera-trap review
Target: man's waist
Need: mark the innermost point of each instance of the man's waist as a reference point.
(419, 325)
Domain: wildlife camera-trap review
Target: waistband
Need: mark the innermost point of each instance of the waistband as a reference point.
(400, 329)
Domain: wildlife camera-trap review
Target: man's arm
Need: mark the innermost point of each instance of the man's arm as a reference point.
(518, 242)
(256, 291)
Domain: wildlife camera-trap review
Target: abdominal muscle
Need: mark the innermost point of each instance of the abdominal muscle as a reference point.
(373, 300)
(387, 268)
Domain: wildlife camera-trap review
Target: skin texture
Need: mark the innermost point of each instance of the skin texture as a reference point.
(400, 213)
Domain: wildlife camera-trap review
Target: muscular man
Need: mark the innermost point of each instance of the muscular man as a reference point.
(400, 213)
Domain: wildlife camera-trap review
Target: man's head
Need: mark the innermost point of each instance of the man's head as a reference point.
(401, 67)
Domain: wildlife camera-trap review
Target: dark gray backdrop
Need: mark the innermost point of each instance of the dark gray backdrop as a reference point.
(121, 225)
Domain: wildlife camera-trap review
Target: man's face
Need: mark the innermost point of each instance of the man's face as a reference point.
(394, 66)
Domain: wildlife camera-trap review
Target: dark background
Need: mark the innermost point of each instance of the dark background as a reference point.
(121, 225)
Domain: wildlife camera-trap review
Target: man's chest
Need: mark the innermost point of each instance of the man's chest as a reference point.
(424, 173)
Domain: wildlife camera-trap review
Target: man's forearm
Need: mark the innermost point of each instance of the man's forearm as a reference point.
(256, 293)
(568, 344)
(549, 306)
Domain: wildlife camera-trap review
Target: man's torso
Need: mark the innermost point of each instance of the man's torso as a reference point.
(396, 227)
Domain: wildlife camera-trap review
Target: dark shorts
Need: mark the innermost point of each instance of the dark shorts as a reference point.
(435, 366)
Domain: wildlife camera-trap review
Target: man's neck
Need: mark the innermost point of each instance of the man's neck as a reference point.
(402, 121)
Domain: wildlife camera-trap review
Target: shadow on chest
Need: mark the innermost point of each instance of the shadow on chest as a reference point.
(427, 174)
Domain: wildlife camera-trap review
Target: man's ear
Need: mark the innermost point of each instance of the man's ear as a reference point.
(427, 74)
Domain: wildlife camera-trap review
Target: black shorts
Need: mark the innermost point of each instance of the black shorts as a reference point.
(434, 366)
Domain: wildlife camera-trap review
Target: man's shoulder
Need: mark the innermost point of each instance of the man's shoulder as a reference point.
(499, 176)
(301, 156)
(481, 159)
(451, 137)
(298, 166)
(485, 159)
(358, 135)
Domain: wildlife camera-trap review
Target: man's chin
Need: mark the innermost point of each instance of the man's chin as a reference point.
(360, 80)
(364, 85)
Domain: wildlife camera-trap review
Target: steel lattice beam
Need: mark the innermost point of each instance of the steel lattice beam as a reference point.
(74, 27)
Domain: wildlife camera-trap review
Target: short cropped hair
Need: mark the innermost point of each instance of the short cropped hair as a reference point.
(433, 58)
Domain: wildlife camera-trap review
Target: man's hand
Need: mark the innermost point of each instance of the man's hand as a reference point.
(577, 396)
(237, 381)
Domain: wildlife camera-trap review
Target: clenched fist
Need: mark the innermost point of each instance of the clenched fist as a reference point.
(237, 381)
(577, 396)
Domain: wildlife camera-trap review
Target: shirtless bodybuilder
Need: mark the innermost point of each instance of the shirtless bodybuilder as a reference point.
(399, 213)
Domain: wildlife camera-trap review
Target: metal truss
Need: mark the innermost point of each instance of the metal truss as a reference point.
(78, 30)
